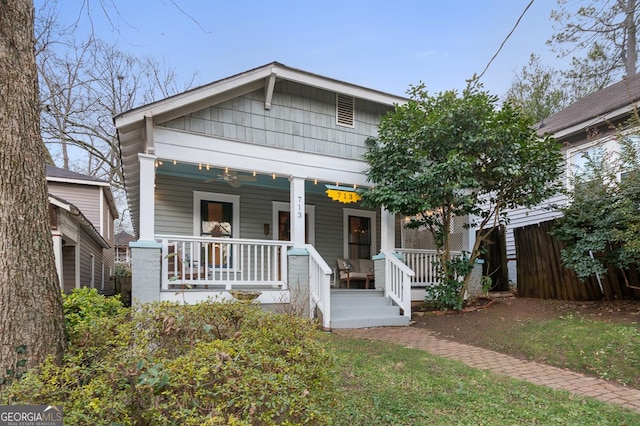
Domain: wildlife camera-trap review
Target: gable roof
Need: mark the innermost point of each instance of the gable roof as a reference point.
(81, 219)
(610, 103)
(57, 174)
(123, 238)
(239, 84)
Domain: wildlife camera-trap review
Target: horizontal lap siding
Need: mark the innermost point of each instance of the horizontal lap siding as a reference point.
(523, 217)
(85, 198)
(301, 118)
(174, 212)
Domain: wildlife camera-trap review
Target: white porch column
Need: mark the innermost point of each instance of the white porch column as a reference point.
(57, 254)
(147, 198)
(387, 230)
(297, 211)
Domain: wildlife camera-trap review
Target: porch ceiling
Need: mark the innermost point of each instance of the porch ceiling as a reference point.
(246, 178)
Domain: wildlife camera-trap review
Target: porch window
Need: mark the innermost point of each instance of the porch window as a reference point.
(216, 218)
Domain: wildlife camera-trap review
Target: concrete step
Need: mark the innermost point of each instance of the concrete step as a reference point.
(364, 308)
(364, 311)
(352, 301)
(395, 321)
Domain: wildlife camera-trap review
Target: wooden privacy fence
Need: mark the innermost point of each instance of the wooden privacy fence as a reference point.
(122, 286)
(541, 272)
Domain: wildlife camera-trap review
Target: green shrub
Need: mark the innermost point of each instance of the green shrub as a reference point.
(85, 304)
(211, 363)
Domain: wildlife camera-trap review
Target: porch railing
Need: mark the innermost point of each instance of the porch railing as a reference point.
(319, 287)
(398, 281)
(209, 263)
(423, 263)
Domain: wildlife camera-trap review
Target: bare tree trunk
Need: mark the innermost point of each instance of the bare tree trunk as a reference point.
(31, 319)
(632, 49)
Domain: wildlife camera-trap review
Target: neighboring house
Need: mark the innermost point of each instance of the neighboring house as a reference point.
(249, 183)
(584, 126)
(82, 212)
(122, 250)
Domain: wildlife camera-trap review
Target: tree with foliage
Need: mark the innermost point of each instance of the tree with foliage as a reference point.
(538, 90)
(604, 32)
(600, 224)
(84, 83)
(31, 318)
(451, 155)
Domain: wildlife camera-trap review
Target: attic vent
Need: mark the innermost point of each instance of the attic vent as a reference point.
(345, 110)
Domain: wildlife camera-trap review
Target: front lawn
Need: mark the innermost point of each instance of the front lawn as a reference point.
(385, 384)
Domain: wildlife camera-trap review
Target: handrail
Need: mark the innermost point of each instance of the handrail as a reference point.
(201, 262)
(424, 264)
(398, 281)
(319, 286)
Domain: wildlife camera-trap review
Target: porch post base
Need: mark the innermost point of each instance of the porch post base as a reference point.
(299, 281)
(145, 272)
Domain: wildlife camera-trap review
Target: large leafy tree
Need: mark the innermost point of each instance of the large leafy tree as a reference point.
(458, 155)
(31, 319)
(538, 90)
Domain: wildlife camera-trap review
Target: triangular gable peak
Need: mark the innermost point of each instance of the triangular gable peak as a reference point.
(263, 78)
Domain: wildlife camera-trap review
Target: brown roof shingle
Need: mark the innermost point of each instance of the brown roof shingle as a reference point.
(592, 108)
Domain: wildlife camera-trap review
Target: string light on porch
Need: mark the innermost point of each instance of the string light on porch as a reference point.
(175, 162)
(315, 181)
(208, 167)
(254, 173)
(273, 175)
(199, 166)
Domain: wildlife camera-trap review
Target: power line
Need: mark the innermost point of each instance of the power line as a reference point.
(505, 39)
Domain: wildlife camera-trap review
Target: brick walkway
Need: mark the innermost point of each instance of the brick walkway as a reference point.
(498, 363)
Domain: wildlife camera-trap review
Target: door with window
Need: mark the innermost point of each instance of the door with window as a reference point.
(359, 237)
(216, 220)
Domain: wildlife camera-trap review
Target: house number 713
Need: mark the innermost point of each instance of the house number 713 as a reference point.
(299, 213)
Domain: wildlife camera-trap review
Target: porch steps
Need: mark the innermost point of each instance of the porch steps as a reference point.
(364, 308)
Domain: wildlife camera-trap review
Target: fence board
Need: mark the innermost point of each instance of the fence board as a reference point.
(542, 274)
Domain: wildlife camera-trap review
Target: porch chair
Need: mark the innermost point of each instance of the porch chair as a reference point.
(178, 271)
(355, 270)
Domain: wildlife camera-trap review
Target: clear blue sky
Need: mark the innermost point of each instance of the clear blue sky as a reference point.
(385, 45)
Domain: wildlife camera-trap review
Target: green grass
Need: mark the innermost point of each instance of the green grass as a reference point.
(385, 384)
(597, 348)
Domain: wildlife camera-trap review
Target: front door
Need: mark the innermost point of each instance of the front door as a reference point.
(359, 234)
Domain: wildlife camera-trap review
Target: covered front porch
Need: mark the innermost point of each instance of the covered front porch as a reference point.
(285, 278)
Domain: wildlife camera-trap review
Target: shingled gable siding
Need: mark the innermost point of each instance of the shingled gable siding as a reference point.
(301, 118)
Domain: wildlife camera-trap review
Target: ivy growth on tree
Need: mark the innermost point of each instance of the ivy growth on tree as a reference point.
(458, 155)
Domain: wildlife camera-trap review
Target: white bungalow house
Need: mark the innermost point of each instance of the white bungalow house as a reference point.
(589, 124)
(248, 183)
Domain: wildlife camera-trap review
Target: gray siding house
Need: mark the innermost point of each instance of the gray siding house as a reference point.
(250, 183)
(82, 212)
(586, 125)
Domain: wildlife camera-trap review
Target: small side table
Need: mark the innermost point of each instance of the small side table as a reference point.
(370, 277)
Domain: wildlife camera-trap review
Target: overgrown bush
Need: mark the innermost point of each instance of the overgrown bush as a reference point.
(211, 363)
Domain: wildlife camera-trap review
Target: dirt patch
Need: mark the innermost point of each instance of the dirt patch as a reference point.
(490, 319)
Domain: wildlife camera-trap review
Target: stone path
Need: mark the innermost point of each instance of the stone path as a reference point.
(498, 363)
